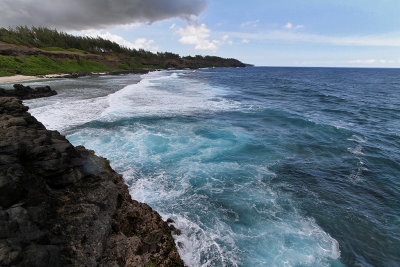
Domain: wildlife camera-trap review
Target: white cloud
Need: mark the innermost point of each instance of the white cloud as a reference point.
(143, 43)
(248, 24)
(140, 43)
(384, 40)
(289, 25)
(245, 41)
(370, 61)
(199, 36)
(361, 61)
(172, 26)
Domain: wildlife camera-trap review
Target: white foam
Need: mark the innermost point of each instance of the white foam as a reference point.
(155, 188)
(356, 150)
(194, 243)
(163, 94)
(64, 113)
(78, 101)
(357, 139)
(356, 175)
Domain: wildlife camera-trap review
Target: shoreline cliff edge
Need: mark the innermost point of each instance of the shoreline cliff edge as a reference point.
(62, 205)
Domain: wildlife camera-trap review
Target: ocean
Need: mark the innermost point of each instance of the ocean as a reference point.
(257, 166)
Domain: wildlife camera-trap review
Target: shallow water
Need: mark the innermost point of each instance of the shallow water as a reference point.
(257, 166)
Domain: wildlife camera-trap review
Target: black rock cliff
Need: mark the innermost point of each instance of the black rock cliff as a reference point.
(62, 205)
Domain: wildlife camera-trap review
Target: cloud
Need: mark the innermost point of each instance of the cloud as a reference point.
(143, 43)
(245, 41)
(172, 26)
(92, 14)
(199, 36)
(383, 40)
(370, 61)
(252, 23)
(361, 61)
(289, 25)
(140, 43)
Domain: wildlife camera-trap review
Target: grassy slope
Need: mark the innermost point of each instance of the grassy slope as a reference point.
(41, 64)
(55, 48)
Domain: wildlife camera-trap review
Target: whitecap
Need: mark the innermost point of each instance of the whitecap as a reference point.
(356, 150)
(163, 94)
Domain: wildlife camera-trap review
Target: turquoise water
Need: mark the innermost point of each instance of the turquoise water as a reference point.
(256, 166)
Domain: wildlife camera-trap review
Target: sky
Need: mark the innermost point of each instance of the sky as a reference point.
(314, 33)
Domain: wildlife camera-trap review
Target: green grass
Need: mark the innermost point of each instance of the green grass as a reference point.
(124, 66)
(55, 48)
(135, 64)
(40, 65)
(5, 73)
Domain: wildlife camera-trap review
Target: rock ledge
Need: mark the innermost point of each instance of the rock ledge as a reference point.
(62, 205)
(26, 92)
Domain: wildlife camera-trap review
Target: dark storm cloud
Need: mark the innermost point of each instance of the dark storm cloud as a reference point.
(89, 14)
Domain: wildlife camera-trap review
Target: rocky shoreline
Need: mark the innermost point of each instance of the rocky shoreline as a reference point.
(62, 205)
(21, 78)
(26, 92)
(83, 74)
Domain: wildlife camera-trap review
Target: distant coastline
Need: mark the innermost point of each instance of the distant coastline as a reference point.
(41, 51)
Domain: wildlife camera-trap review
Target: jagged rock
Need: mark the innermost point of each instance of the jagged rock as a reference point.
(62, 205)
(26, 92)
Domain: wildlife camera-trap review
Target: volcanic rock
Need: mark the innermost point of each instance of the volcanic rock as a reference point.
(26, 92)
(62, 205)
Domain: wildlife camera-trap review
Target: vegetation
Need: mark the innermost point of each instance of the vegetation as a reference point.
(62, 52)
(55, 48)
(39, 65)
(5, 73)
(43, 37)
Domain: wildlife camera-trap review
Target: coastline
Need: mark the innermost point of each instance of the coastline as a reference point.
(75, 207)
(26, 78)
(18, 78)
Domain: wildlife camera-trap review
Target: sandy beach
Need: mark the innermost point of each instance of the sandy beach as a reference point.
(23, 78)
(17, 78)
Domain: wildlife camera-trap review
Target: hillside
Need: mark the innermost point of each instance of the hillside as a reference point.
(38, 51)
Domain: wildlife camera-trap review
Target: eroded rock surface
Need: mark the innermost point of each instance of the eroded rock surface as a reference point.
(61, 205)
(26, 92)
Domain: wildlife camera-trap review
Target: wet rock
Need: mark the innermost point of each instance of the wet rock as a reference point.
(26, 92)
(63, 205)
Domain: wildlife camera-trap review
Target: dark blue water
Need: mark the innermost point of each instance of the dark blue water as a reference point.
(257, 166)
